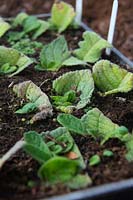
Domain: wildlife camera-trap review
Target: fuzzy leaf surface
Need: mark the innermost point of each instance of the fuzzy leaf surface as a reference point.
(30, 92)
(62, 15)
(91, 47)
(80, 181)
(53, 55)
(80, 81)
(110, 78)
(12, 57)
(4, 27)
(36, 146)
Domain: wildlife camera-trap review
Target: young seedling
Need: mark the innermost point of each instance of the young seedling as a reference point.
(112, 25)
(94, 160)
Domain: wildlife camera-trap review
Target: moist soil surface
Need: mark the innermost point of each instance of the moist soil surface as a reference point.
(96, 15)
(18, 171)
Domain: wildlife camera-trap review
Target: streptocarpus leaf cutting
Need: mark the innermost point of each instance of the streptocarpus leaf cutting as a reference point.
(37, 100)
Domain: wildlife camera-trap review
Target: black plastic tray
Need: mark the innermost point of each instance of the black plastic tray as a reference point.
(122, 190)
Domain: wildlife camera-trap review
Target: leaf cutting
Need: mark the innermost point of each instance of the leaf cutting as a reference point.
(110, 78)
(62, 15)
(12, 62)
(38, 100)
(77, 83)
(90, 49)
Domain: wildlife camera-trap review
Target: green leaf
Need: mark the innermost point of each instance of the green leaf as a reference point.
(15, 36)
(7, 69)
(94, 160)
(62, 15)
(8, 55)
(58, 170)
(107, 153)
(29, 107)
(4, 27)
(72, 123)
(81, 81)
(30, 92)
(30, 24)
(53, 55)
(63, 137)
(91, 47)
(19, 19)
(100, 126)
(59, 137)
(27, 46)
(79, 182)
(36, 147)
(12, 57)
(94, 123)
(44, 26)
(66, 100)
(72, 61)
(129, 146)
(110, 78)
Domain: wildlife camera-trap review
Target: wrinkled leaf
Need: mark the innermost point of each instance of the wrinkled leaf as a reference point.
(99, 125)
(7, 69)
(72, 123)
(63, 143)
(110, 78)
(12, 57)
(53, 55)
(19, 19)
(91, 47)
(36, 147)
(30, 92)
(79, 182)
(62, 15)
(4, 27)
(44, 26)
(66, 100)
(94, 123)
(58, 170)
(81, 81)
(94, 160)
(30, 24)
(27, 46)
(61, 138)
(129, 146)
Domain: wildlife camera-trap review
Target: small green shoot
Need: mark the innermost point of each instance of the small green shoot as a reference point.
(12, 61)
(108, 153)
(94, 160)
(80, 82)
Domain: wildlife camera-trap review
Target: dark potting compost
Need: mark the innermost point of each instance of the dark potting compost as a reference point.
(105, 163)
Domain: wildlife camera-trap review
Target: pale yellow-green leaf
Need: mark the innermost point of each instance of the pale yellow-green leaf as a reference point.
(4, 27)
(110, 78)
(90, 49)
(62, 15)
